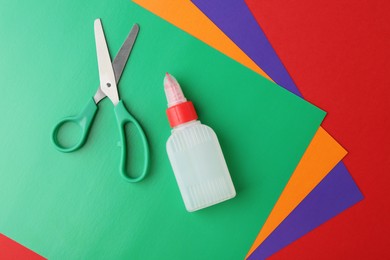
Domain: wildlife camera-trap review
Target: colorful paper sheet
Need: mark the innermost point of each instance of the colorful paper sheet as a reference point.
(198, 25)
(76, 205)
(342, 48)
(322, 154)
(313, 210)
(234, 18)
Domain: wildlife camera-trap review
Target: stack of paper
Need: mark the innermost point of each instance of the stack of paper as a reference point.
(309, 198)
(286, 168)
(69, 206)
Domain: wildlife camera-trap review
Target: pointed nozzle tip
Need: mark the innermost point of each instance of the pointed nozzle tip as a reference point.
(173, 90)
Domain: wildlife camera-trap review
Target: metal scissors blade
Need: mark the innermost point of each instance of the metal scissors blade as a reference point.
(124, 53)
(120, 60)
(106, 72)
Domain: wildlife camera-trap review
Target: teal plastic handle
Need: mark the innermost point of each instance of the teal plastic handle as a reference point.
(83, 120)
(124, 117)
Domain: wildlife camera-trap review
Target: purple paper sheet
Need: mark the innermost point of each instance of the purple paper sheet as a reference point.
(337, 191)
(316, 209)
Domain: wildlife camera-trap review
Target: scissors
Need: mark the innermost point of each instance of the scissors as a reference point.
(109, 75)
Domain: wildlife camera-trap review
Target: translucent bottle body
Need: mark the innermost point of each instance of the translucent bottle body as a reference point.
(199, 166)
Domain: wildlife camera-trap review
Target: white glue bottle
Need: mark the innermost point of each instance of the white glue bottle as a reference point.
(195, 154)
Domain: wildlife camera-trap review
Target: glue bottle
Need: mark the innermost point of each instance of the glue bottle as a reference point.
(195, 154)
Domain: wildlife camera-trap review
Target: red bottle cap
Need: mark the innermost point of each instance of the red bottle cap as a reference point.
(181, 113)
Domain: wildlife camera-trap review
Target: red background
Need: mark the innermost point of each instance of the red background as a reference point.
(11, 250)
(337, 52)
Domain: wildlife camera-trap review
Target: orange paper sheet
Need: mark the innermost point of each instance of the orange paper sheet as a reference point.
(323, 152)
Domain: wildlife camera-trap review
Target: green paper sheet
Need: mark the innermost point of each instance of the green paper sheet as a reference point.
(76, 205)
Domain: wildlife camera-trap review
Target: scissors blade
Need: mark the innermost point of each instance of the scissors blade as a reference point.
(106, 73)
(124, 52)
(120, 60)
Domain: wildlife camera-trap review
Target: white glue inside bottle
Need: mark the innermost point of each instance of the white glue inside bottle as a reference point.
(195, 154)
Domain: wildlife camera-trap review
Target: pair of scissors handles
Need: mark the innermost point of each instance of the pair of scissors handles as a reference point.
(86, 117)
